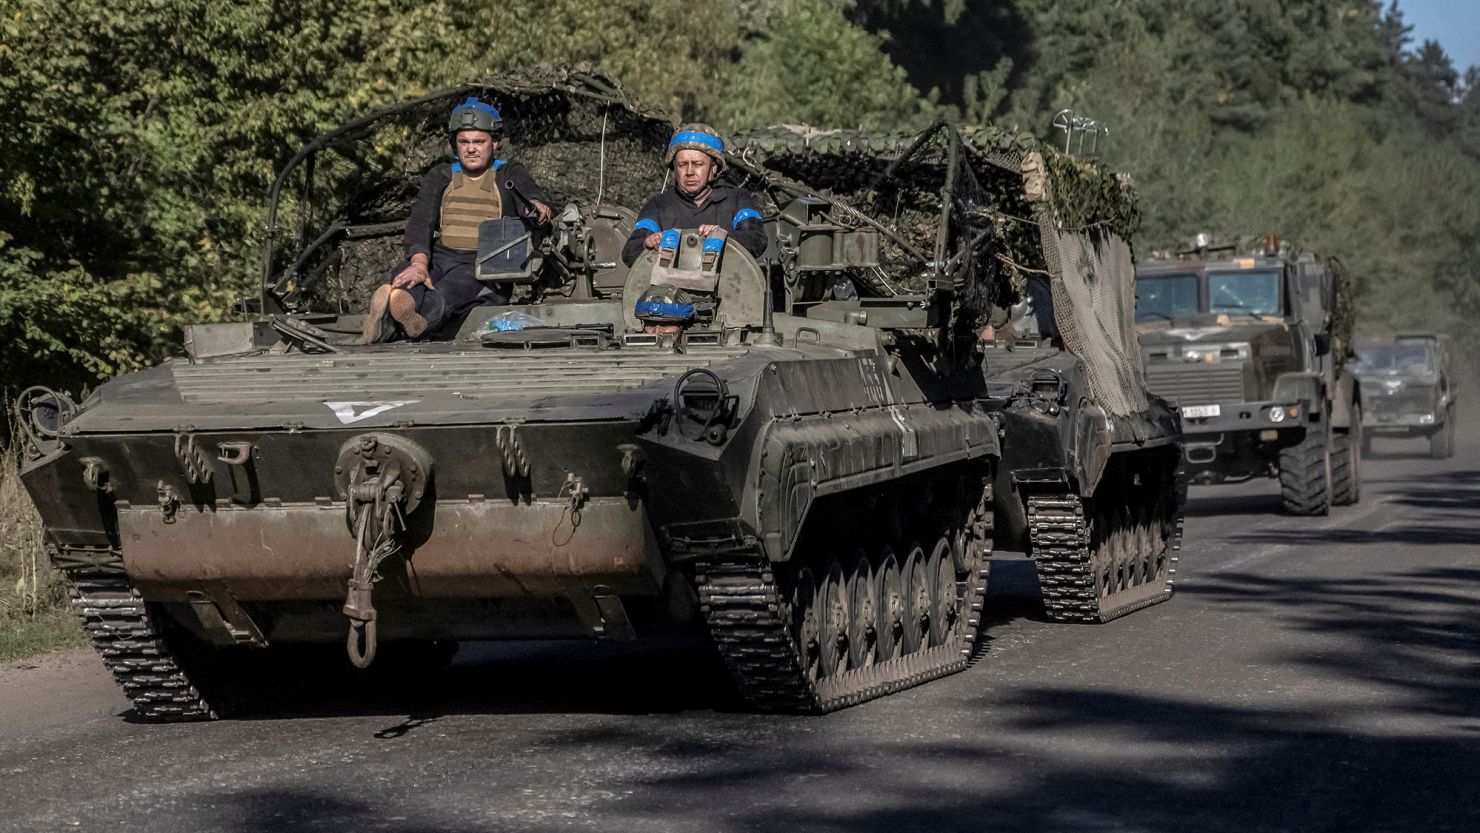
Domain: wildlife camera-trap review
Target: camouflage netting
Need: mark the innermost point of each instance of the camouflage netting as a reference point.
(1094, 294)
(1343, 317)
(577, 133)
(980, 209)
(904, 181)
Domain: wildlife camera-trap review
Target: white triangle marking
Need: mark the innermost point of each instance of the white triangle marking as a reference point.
(349, 412)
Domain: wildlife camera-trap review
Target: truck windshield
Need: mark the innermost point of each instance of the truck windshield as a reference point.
(1405, 358)
(1159, 297)
(1253, 293)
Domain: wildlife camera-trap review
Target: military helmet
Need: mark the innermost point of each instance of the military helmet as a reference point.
(473, 114)
(700, 137)
(664, 305)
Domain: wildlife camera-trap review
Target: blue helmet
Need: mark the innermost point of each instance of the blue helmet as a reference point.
(473, 114)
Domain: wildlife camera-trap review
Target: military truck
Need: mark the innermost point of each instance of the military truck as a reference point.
(1410, 389)
(813, 478)
(1252, 345)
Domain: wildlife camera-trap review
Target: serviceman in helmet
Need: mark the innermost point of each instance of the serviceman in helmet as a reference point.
(437, 281)
(664, 309)
(697, 156)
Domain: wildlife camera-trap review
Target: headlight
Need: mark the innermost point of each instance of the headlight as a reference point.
(1276, 413)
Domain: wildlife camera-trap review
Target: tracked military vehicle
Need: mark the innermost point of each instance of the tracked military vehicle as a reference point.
(814, 477)
(1253, 347)
(1410, 389)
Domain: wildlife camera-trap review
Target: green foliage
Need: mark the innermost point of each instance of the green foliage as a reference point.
(33, 600)
(815, 67)
(142, 135)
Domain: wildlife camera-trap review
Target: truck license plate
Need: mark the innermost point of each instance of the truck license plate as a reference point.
(1200, 411)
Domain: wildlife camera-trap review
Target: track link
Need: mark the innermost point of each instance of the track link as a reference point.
(122, 630)
(1060, 537)
(751, 624)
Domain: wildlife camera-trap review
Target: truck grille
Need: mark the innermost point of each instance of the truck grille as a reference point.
(523, 373)
(1193, 384)
(1409, 400)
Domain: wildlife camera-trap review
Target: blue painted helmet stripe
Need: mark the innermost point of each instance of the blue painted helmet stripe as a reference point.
(660, 308)
(695, 137)
(744, 214)
(647, 225)
(714, 244)
(669, 239)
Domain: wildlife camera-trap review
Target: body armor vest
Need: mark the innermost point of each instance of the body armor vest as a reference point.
(466, 203)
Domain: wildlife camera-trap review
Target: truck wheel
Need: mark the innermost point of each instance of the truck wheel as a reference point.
(1441, 442)
(1346, 462)
(1305, 474)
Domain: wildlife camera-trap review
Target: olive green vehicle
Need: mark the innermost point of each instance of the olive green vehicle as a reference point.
(1254, 349)
(813, 480)
(1410, 389)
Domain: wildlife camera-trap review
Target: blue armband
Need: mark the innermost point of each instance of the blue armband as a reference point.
(646, 225)
(744, 214)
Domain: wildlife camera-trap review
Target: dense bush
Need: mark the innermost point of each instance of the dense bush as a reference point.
(141, 135)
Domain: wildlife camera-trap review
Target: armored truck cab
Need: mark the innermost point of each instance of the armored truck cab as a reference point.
(811, 479)
(1410, 389)
(1251, 347)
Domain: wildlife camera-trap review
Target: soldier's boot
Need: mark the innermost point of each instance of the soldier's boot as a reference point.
(403, 309)
(375, 316)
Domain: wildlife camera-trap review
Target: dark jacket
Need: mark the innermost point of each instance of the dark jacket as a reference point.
(426, 214)
(732, 209)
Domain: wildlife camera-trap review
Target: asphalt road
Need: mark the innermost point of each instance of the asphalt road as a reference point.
(1310, 674)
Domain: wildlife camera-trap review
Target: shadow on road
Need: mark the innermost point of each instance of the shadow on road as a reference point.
(661, 676)
(1046, 757)
(1429, 509)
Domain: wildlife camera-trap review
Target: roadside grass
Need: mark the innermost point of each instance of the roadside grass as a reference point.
(34, 617)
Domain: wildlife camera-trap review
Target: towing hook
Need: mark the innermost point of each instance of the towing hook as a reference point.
(382, 477)
(360, 644)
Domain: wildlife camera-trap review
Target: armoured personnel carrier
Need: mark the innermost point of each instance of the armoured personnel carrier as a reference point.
(1253, 347)
(1410, 389)
(815, 473)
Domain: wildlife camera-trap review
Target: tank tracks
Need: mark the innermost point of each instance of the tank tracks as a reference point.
(763, 639)
(1119, 566)
(119, 624)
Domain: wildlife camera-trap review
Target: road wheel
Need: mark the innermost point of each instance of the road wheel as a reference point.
(889, 603)
(1441, 442)
(1305, 473)
(944, 593)
(806, 630)
(1346, 462)
(916, 574)
(863, 612)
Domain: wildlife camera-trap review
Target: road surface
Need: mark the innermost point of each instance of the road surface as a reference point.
(1310, 674)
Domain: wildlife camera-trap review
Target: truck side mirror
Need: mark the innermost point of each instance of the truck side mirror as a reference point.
(1323, 344)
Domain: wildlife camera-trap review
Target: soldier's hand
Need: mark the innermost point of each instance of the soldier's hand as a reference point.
(541, 212)
(651, 241)
(708, 229)
(413, 275)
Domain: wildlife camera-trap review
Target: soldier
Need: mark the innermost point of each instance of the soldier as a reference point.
(697, 155)
(663, 309)
(437, 281)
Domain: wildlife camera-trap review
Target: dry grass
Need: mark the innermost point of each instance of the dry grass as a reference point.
(33, 598)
